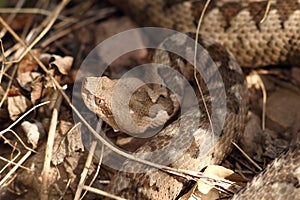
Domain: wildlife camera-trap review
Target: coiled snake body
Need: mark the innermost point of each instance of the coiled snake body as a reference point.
(236, 25)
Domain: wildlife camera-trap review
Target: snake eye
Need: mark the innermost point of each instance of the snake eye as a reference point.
(99, 101)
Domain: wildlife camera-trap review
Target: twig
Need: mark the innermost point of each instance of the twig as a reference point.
(3, 61)
(21, 141)
(266, 12)
(20, 118)
(247, 166)
(264, 93)
(8, 52)
(85, 170)
(100, 192)
(49, 149)
(49, 21)
(21, 161)
(195, 62)
(65, 190)
(248, 157)
(32, 11)
(12, 16)
(8, 86)
(11, 162)
(97, 171)
(64, 32)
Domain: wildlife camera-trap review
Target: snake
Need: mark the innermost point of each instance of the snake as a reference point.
(234, 33)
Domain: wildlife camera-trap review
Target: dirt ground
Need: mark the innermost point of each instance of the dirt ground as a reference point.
(43, 151)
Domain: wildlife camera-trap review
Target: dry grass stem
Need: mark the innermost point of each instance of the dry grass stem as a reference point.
(248, 157)
(97, 171)
(85, 170)
(102, 193)
(49, 148)
(21, 161)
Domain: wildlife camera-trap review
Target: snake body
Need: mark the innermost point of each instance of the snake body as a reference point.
(189, 142)
(236, 25)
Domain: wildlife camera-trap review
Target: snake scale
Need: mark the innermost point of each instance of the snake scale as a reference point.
(236, 25)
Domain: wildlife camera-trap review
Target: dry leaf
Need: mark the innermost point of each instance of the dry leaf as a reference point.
(2, 92)
(36, 90)
(74, 140)
(189, 195)
(59, 150)
(63, 64)
(34, 132)
(25, 79)
(48, 80)
(206, 190)
(45, 58)
(17, 105)
(28, 64)
(13, 92)
(66, 143)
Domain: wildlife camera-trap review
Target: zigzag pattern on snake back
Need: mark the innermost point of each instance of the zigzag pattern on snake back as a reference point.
(236, 26)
